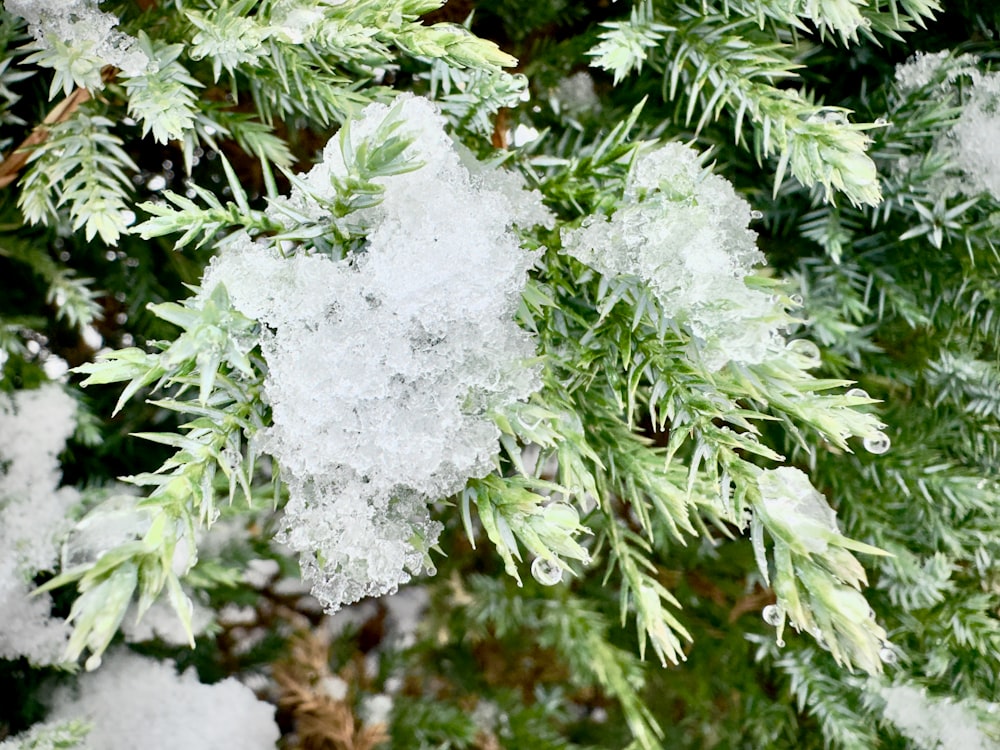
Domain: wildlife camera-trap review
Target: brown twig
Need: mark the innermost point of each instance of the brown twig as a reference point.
(14, 163)
(322, 722)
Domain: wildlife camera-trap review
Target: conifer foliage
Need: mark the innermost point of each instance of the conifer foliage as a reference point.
(393, 373)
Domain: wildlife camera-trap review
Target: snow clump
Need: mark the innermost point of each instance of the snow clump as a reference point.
(683, 231)
(384, 366)
(132, 700)
(972, 145)
(81, 25)
(34, 427)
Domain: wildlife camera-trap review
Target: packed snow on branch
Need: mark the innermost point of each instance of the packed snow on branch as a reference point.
(132, 700)
(973, 143)
(384, 366)
(80, 24)
(684, 232)
(34, 426)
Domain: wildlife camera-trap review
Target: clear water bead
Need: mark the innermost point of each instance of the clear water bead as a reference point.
(887, 655)
(881, 121)
(771, 614)
(805, 348)
(857, 393)
(756, 215)
(877, 443)
(796, 300)
(546, 572)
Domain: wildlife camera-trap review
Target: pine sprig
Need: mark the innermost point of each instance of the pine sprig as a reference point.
(163, 99)
(81, 165)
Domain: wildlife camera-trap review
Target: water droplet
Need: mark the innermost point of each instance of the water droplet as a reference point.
(807, 349)
(834, 117)
(780, 643)
(156, 183)
(546, 572)
(887, 655)
(756, 215)
(881, 121)
(796, 300)
(857, 393)
(877, 443)
(772, 614)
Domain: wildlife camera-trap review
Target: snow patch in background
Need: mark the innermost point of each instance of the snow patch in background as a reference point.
(132, 697)
(34, 427)
(933, 724)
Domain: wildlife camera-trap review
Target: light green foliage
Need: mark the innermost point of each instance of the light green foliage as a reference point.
(710, 442)
(49, 737)
(73, 65)
(72, 297)
(623, 46)
(163, 99)
(212, 357)
(81, 165)
(715, 63)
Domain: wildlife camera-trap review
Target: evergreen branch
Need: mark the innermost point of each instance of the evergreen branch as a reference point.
(15, 161)
(843, 18)
(577, 633)
(202, 225)
(816, 578)
(470, 98)
(228, 36)
(162, 98)
(622, 49)
(971, 384)
(721, 68)
(76, 65)
(510, 511)
(49, 736)
(831, 698)
(84, 165)
(212, 355)
(915, 582)
(72, 297)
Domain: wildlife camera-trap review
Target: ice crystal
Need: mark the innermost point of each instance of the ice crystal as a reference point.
(924, 68)
(133, 700)
(973, 143)
(683, 231)
(976, 137)
(384, 366)
(34, 426)
(79, 23)
(790, 498)
(931, 723)
(919, 70)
